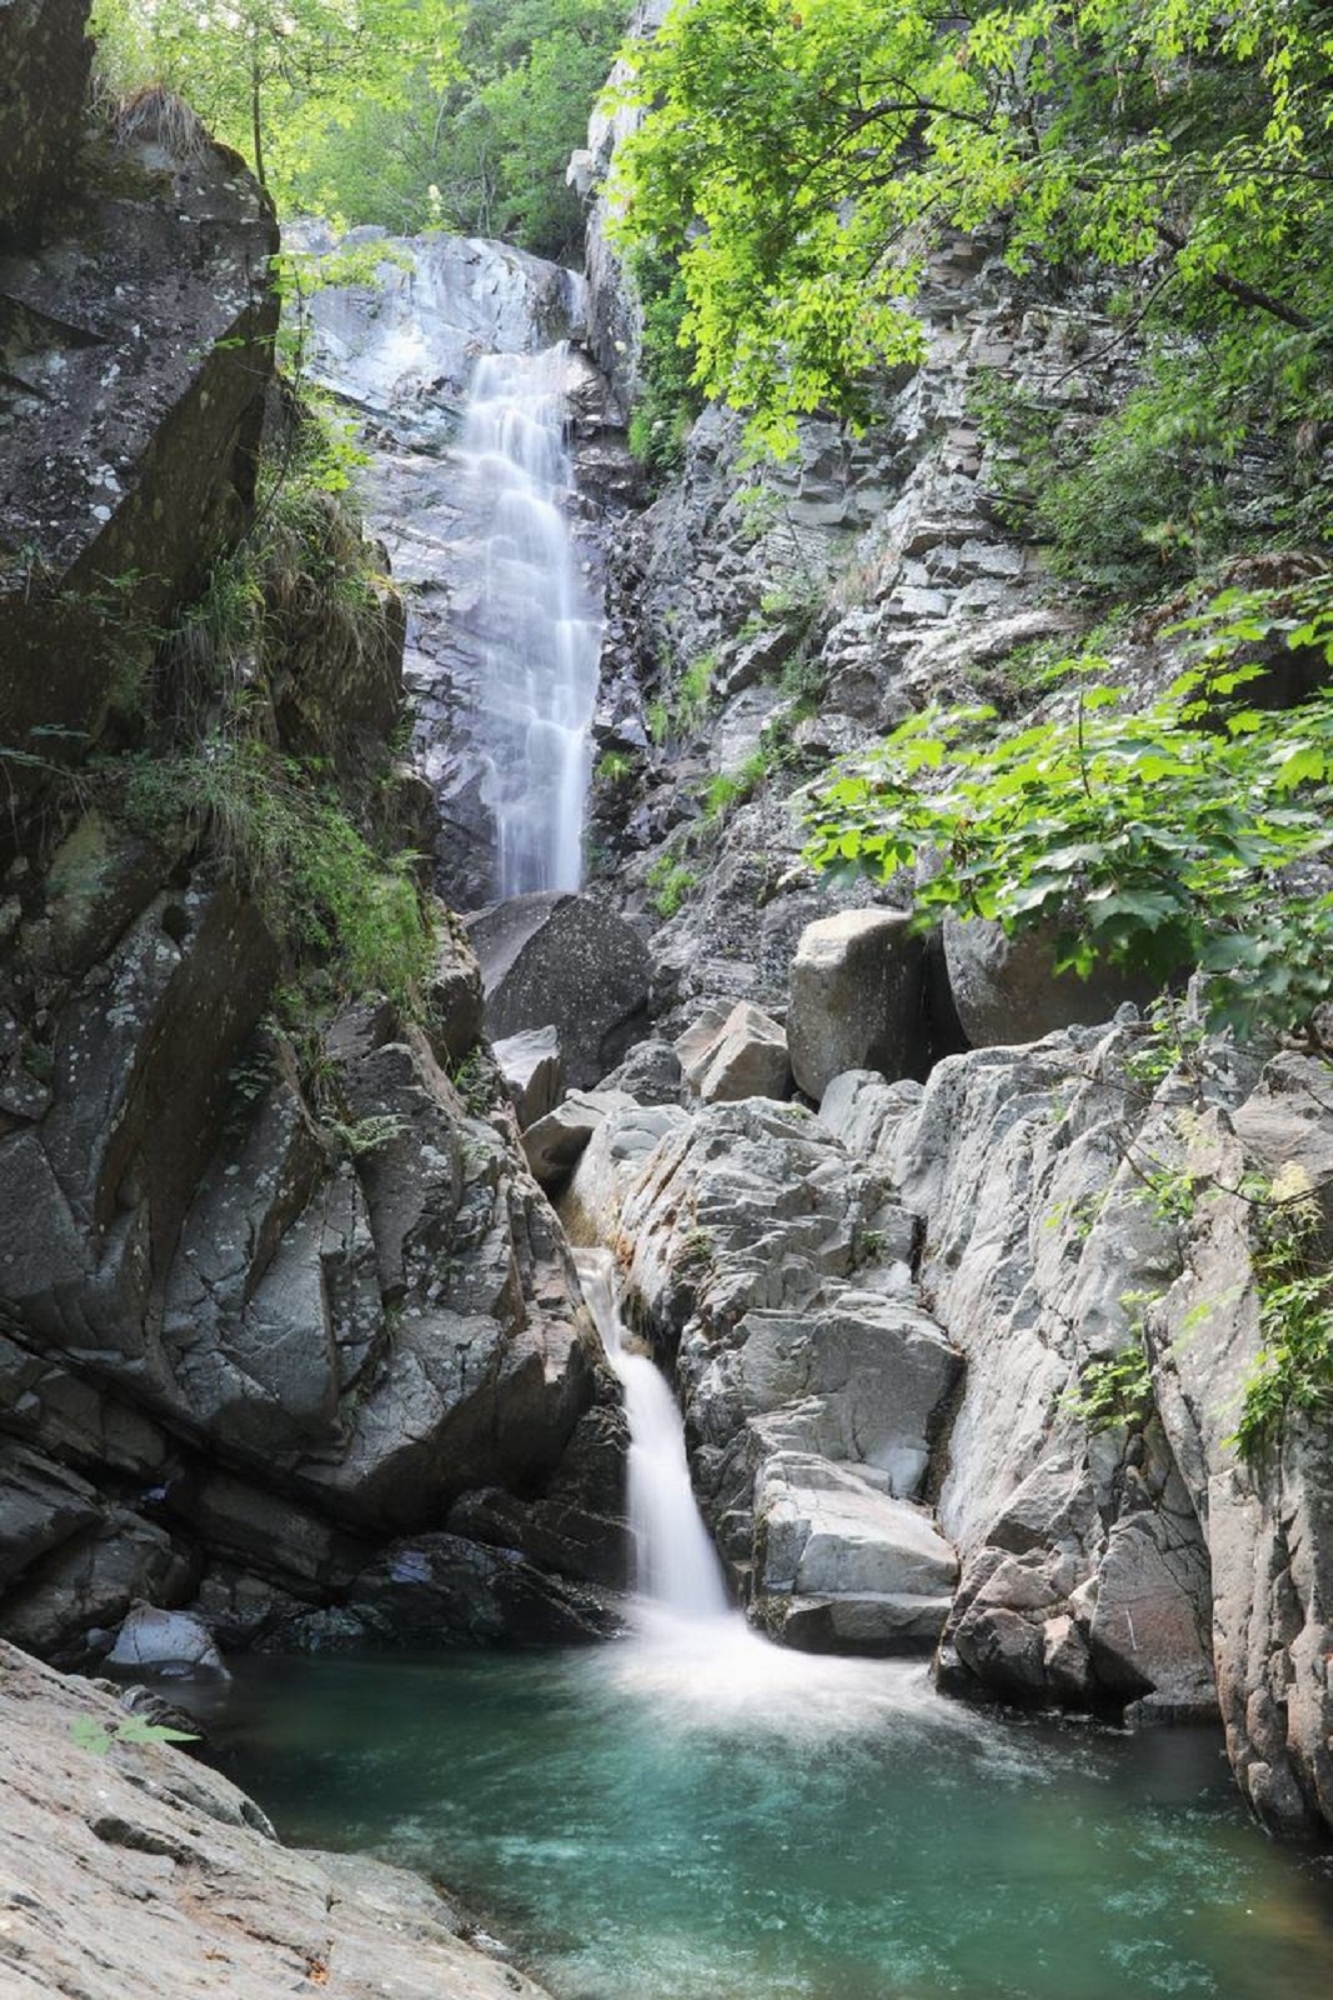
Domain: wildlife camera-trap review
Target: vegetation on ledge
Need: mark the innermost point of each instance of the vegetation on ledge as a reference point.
(796, 161)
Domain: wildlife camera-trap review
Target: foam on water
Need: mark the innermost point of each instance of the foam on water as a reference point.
(691, 1655)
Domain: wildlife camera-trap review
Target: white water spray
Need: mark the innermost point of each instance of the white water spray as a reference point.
(676, 1565)
(531, 619)
(694, 1658)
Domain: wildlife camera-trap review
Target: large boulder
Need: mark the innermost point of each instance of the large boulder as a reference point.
(857, 998)
(170, 1644)
(651, 1073)
(563, 959)
(739, 1054)
(142, 1871)
(533, 1071)
(844, 1568)
(554, 1145)
(1006, 990)
(441, 1590)
(861, 1381)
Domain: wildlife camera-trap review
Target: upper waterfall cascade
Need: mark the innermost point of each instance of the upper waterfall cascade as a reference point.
(469, 484)
(532, 621)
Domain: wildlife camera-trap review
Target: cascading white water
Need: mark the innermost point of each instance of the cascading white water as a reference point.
(694, 1656)
(531, 619)
(676, 1565)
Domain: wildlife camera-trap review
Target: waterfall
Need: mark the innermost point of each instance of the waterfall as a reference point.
(530, 618)
(676, 1565)
(692, 1655)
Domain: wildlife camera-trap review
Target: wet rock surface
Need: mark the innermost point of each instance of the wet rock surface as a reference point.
(752, 1243)
(138, 327)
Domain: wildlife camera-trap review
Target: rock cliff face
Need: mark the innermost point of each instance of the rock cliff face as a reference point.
(286, 1328)
(137, 319)
(764, 620)
(883, 1322)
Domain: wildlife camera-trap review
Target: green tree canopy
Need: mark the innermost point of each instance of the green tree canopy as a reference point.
(409, 113)
(266, 75)
(796, 154)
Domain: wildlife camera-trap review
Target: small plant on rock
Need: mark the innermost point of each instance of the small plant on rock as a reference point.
(672, 882)
(90, 1733)
(1293, 1371)
(1115, 1392)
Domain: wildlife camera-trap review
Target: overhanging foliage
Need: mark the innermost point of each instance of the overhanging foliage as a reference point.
(1188, 833)
(795, 157)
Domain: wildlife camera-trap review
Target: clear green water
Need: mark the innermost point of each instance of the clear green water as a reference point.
(720, 1821)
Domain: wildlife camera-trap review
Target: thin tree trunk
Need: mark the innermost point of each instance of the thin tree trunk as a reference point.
(256, 122)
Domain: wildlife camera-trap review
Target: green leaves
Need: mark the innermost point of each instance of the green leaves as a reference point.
(408, 113)
(795, 159)
(1293, 1371)
(1156, 841)
(97, 1737)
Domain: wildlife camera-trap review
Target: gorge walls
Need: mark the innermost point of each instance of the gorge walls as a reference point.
(288, 1332)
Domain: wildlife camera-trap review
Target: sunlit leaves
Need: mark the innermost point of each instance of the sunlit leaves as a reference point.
(408, 113)
(1157, 839)
(792, 154)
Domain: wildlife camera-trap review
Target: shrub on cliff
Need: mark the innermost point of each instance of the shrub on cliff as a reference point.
(796, 162)
(1193, 832)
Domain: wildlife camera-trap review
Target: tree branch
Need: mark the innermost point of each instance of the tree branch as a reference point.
(1236, 288)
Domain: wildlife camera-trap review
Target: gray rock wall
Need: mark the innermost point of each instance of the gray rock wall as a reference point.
(1069, 1214)
(138, 337)
(273, 1299)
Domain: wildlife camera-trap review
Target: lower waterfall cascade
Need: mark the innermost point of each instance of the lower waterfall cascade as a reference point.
(694, 1813)
(676, 1567)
